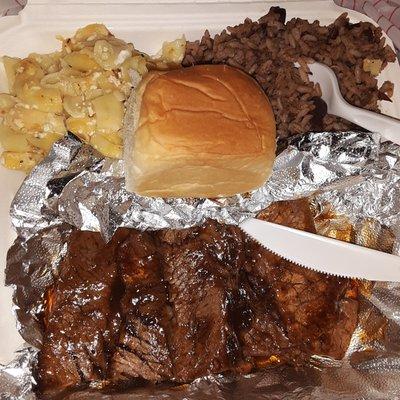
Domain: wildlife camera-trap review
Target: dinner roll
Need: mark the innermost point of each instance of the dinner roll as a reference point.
(202, 131)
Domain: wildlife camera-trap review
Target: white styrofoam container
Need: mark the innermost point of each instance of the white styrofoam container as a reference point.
(146, 24)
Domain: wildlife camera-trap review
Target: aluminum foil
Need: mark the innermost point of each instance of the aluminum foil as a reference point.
(352, 182)
(77, 186)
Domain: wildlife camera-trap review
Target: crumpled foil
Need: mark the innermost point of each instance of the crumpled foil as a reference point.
(16, 377)
(77, 186)
(352, 182)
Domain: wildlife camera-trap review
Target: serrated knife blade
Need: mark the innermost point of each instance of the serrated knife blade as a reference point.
(324, 254)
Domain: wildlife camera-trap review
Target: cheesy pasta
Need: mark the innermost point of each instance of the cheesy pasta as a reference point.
(81, 89)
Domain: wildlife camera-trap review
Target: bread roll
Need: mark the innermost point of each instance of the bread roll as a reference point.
(203, 131)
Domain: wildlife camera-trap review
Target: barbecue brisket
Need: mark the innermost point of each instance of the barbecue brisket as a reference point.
(175, 305)
(142, 350)
(80, 322)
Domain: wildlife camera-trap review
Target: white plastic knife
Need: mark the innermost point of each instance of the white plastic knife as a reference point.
(324, 254)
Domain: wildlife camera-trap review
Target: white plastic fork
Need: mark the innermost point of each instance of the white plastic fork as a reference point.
(387, 127)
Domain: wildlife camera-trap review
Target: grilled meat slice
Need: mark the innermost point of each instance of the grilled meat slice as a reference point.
(80, 318)
(257, 322)
(201, 268)
(142, 350)
(319, 312)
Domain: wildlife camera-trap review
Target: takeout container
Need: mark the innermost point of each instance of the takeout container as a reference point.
(146, 24)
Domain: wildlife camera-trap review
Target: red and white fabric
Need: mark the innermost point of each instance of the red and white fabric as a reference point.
(385, 12)
(11, 7)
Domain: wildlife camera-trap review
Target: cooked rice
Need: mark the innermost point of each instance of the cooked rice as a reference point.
(268, 48)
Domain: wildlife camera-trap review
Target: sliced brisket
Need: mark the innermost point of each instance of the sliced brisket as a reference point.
(319, 312)
(175, 305)
(80, 321)
(142, 350)
(201, 268)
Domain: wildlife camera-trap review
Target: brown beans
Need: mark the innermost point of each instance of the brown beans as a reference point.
(267, 49)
